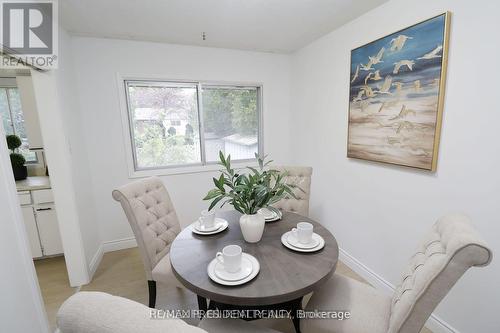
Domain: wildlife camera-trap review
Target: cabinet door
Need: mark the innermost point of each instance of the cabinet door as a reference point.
(48, 229)
(29, 222)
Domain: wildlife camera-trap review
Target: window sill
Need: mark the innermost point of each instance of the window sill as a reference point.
(189, 169)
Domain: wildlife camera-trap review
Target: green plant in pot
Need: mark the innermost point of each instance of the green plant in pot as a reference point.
(249, 192)
(16, 159)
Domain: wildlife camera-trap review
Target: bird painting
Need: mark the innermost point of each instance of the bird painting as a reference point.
(376, 76)
(403, 113)
(377, 58)
(367, 67)
(401, 63)
(368, 77)
(355, 75)
(433, 54)
(395, 97)
(386, 86)
(398, 42)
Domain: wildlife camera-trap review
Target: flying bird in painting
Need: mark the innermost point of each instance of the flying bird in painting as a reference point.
(367, 67)
(355, 74)
(401, 63)
(404, 125)
(377, 58)
(403, 113)
(359, 97)
(386, 86)
(368, 77)
(399, 86)
(433, 54)
(368, 91)
(398, 42)
(376, 76)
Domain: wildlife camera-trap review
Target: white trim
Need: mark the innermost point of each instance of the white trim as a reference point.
(119, 244)
(198, 167)
(96, 260)
(434, 323)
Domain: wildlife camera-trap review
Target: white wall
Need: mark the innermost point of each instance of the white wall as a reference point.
(98, 62)
(21, 305)
(75, 133)
(377, 211)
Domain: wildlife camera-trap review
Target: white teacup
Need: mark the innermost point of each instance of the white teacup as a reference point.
(230, 258)
(303, 232)
(207, 219)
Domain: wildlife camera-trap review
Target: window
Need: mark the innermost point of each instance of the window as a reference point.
(178, 124)
(13, 120)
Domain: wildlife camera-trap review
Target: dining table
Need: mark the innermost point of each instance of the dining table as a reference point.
(284, 278)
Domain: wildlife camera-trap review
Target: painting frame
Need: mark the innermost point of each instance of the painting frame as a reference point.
(432, 167)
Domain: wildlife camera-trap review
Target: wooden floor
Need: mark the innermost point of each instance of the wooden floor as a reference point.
(121, 273)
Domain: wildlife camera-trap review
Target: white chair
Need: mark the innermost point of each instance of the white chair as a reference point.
(448, 251)
(152, 216)
(96, 312)
(300, 176)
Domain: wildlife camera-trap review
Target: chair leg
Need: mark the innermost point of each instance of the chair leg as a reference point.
(152, 293)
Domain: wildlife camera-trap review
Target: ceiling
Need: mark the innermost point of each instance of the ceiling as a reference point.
(262, 25)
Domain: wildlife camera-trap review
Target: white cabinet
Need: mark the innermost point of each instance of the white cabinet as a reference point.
(32, 230)
(41, 222)
(48, 229)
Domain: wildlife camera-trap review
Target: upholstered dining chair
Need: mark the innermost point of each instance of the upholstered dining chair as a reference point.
(300, 176)
(153, 219)
(446, 253)
(97, 312)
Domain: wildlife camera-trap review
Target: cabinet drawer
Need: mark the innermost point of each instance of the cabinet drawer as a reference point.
(42, 196)
(24, 198)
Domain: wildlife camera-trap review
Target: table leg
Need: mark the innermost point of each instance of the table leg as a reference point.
(296, 307)
(202, 303)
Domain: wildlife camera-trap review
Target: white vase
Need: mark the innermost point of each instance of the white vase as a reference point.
(252, 227)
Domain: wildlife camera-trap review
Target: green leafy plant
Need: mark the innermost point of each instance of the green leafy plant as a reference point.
(17, 160)
(251, 191)
(13, 142)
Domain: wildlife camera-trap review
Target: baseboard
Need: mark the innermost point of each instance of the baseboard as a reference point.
(435, 324)
(94, 263)
(119, 244)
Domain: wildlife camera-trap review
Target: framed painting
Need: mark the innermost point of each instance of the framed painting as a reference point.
(396, 95)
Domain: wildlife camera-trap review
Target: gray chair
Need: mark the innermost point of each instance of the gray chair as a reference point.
(446, 253)
(152, 216)
(300, 176)
(96, 312)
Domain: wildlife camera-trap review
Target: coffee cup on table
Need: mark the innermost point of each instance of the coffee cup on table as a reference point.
(230, 258)
(303, 232)
(207, 218)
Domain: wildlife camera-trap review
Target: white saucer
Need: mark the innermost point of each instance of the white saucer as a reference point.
(270, 215)
(243, 272)
(198, 226)
(294, 241)
(218, 221)
(321, 244)
(215, 278)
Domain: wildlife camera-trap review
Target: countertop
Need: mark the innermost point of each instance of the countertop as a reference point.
(33, 183)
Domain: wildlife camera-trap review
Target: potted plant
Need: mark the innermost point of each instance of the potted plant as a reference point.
(16, 159)
(249, 192)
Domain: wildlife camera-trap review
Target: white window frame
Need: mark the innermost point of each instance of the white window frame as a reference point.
(203, 166)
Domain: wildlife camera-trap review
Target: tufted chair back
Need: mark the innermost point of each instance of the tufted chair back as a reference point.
(300, 176)
(452, 247)
(152, 217)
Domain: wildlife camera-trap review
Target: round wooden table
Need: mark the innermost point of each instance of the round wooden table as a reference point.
(285, 276)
